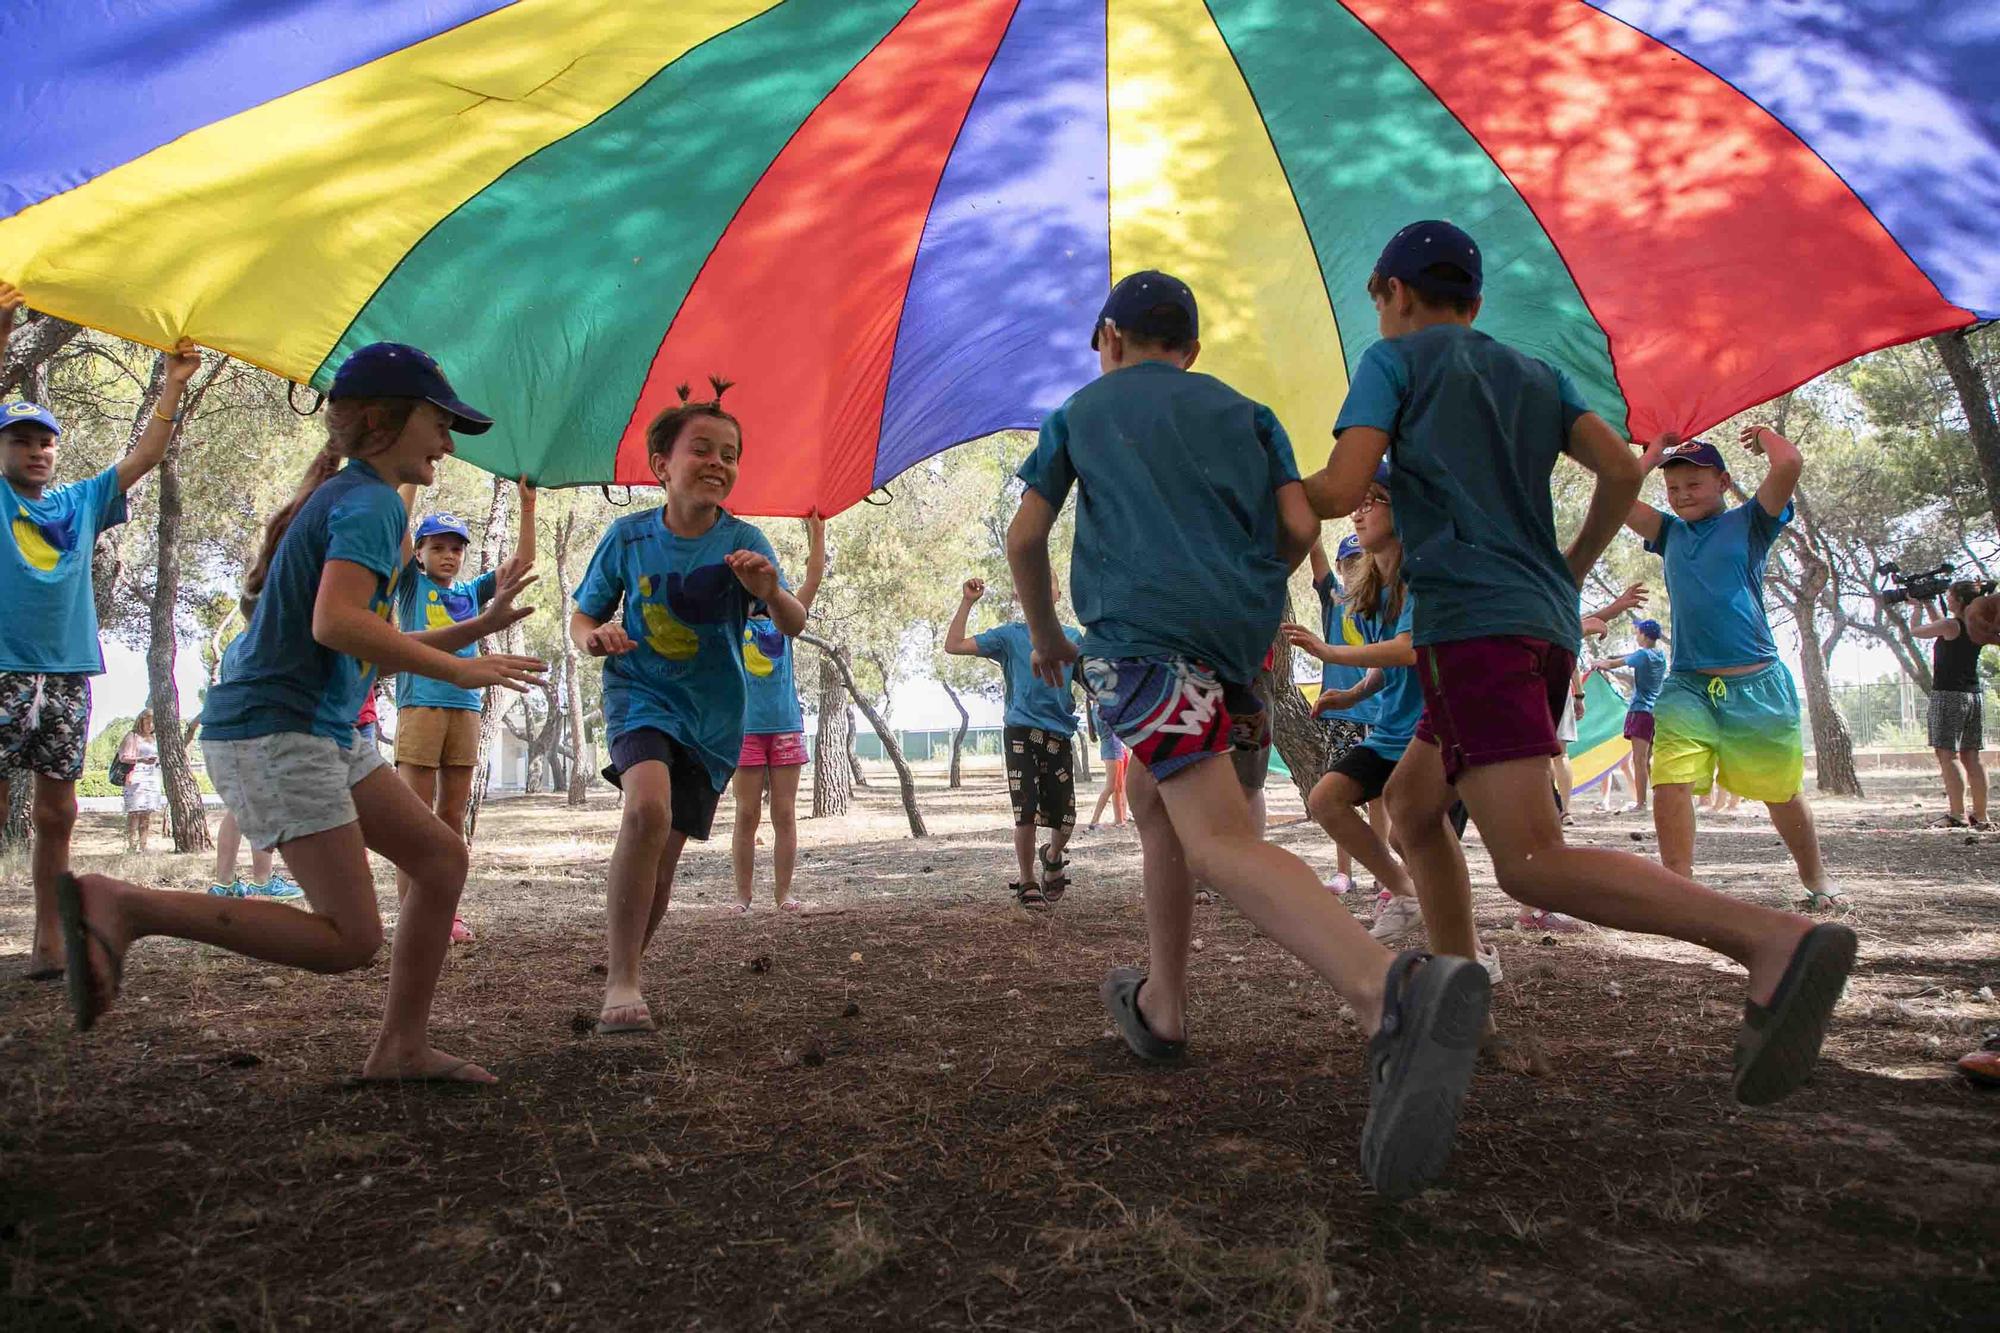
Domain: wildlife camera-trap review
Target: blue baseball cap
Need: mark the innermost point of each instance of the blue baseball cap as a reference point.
(26, 413)
(443, 525)
(1133, 300)
(1649, 628)
(1698, 452)
(397, 370)
(1422, 244)
(1350, 546)
(1382, 473)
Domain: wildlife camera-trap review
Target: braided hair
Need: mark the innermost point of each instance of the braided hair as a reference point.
(666, 429)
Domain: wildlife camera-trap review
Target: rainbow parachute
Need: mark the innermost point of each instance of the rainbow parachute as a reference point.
(892, 223)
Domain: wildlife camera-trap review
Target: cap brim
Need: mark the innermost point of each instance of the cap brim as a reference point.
(465, 419)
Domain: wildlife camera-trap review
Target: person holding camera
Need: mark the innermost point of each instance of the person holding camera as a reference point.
(1957, 710)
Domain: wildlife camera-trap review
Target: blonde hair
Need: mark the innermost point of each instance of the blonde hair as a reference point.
(1378, 593)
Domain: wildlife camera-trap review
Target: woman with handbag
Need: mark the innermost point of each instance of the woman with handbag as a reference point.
(139, 755)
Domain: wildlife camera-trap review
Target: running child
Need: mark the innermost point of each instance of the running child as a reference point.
(774, 742)
(665, 602)
(1474, 429)
(1728, 709)
(1648, 666)
(280, 739)
(48, 633)
(1039, 736)
(1171, 644)
(1114, 755)
(437, 723)
(1343, 727)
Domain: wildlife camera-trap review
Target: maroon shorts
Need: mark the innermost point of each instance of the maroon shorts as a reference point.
(1639, 726)
(1490, 700)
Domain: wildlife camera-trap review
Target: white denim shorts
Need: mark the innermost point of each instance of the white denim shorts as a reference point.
(289, 784)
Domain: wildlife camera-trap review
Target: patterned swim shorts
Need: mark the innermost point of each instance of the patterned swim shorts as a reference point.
(1173, 712)
(44, 724)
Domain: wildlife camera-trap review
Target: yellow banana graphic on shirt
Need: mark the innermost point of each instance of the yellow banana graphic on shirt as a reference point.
(666, 635)
(754, 660)
(35, 548)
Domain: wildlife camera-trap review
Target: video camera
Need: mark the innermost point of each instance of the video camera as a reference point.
(1927, 585)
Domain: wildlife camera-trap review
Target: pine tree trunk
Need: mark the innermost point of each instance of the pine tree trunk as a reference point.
(958, 737)
(856, 774)
(1299, 740)
(579, 726)
(1976, 398)
(492, 550)
(833, 788)
(904, 777)
(1832, 742)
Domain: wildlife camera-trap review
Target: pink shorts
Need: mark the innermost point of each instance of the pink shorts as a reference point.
(1487, 701)
(787, 749)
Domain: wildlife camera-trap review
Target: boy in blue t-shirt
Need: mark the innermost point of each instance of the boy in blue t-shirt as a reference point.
(1728, 711)
(1345, 725)
(1040, 744)
(1648, 666)
(437, 723)
(664, 603)
(48, 631)
(1190, 517)
(1473, 430)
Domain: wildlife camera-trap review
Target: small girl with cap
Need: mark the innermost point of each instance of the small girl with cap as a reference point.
(280, 738)
(1648, 666)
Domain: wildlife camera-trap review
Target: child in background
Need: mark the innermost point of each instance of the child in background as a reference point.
(1648, 666)
(280, 736)
(1474, 429)
(1039, 740)
(49, 648)
(1171, 644)
(1728, 709)
(1114, 755)
(437, 723)
(665, 602)
(774, 742)
(1344, 728)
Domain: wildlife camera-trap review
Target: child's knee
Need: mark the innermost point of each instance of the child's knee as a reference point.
(645, 818)
(54, 816)
(1323, 803)
(359, 942)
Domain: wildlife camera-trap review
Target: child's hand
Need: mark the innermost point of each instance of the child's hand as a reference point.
(815, 532)
(1305, 640)
(10, 298)
(609, 640)
(755, 572)
(183, 362)
(1752, 438)
(974, 590)
(1051, 661)
(504, 670)
(501, 611)
(524, 492)
(1650, 455)
(1331, 701)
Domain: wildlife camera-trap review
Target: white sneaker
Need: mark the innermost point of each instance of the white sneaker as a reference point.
(1398, 917)
(1489, 958)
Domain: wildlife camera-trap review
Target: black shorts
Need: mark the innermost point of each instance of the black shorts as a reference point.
(691, 796)
(1041, 777)
(1367, 769)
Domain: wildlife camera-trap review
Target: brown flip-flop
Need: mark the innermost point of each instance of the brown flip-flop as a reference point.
(446, 1075)
(606, 1028)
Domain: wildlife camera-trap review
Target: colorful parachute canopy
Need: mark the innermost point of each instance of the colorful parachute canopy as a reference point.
(892, 223)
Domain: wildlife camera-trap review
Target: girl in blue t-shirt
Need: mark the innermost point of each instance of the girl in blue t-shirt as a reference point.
(664, 603)
(279, 730)
(774, 741)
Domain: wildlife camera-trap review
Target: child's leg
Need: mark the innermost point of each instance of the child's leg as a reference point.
(1024, 853)
(454, 793)
(1121, 773)
(1169, 890)
(748, 786)
(1420, 802)
(643, 830)
(1673, 825)
(1954, 784)
(260, 864)
(1794, 822)
(1332, 806)
(1565, 778)
(423, 780)
(54, 816)
(663, 885)
(1103, 794)
(1975, 781)
(228, 841)
(784, 827)
(1642, 770)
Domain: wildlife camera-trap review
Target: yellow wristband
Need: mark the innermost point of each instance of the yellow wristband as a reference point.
(158, 415)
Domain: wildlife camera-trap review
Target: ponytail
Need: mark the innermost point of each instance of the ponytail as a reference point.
(665, 430)
(349, 434)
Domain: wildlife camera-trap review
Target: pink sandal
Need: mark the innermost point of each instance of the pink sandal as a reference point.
(460, 932)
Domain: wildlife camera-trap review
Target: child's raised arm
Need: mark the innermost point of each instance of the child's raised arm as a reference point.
(1034, 584)
(11, 300)
(1298, 525)
(523, 559)
(1337, 489)
(343, 622)
(1782, 478)
(1642, 518)
(815, 561)
(956, 641)
(1320, 567)
(1606, 455)
(408, 491)
(151, 449)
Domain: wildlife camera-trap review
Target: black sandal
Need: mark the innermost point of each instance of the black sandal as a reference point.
(1420, 1063)
(1778, 1046)
(1030, 896)
(1120, 993)
(1054, 882)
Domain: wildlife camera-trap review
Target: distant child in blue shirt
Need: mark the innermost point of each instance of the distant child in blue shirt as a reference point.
(665, 602)
(1039, 740)
(1116, 758)
(1343, 725)
(774, 741)
(1728, 710)
(48, 628)
(1189, 519)
(1648, 666)
(437, 723)
(280, 739)
(1473, 430)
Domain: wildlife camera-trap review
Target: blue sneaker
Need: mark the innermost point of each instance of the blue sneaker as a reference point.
(236, 890)
(276, 887)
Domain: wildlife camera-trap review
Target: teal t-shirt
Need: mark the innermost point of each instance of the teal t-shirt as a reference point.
(275, 676)
(1337, 627)
(1176, 550)
(1649, 672)
(422, 603)
(686, 610)
(1715, 585)
(1474, 429)
(1400, 701)
(1030, 702)
(49, 624)
(773, 705)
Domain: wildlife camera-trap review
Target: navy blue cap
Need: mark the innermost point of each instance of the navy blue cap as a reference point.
(397, 370)
(1134, 298)
(1383, 473)
(1350, 546)
(1698, 452)
(1649, 628)
(15, 414)
(443, 525)
(1421, 244)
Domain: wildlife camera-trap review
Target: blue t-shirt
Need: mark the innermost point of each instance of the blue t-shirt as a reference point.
(276, 677)
(1715, 586)
(49, 625)
(686, 610)
(1030, 703)
(1474, 429)
(1400, 702)
(1176, 551)
(423, 603)
(773, 708)
(1649, 672)
(1337, 627)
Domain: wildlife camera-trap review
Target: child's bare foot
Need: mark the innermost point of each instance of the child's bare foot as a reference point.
(624, 1011)
(94, 941)
(428, 1065)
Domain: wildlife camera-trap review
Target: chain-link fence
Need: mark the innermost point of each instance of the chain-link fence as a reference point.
(1891, 714)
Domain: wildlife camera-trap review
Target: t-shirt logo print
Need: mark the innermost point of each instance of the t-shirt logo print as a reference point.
(43, 545)
(699, 597)
(761, 649)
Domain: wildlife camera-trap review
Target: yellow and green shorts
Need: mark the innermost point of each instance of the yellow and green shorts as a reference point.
(1743, 730)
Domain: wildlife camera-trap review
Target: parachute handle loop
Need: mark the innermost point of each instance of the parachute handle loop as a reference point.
(887, 495)
(292, 398)
(625, 503)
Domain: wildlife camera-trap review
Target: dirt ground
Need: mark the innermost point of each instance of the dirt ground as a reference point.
(905, 1110)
